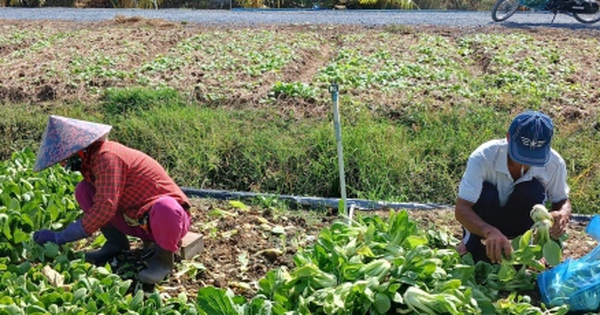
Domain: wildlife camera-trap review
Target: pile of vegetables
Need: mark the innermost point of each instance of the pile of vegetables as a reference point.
(368, 265)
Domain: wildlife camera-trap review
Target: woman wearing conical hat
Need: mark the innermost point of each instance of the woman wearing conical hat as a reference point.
(124, 192)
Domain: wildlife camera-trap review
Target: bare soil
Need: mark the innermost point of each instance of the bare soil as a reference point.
(56, 61)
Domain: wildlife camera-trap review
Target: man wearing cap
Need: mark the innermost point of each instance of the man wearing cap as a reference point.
(503, 180)
(124, 192)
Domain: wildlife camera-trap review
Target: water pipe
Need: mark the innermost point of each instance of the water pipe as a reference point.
(316, 202)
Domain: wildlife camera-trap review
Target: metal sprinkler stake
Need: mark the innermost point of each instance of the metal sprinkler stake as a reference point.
(334, 89)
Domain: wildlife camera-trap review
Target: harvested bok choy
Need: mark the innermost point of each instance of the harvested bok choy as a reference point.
(422, 302)
(542, 222)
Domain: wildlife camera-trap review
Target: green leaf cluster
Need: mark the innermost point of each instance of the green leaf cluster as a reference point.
(373, 265)
(30, 201)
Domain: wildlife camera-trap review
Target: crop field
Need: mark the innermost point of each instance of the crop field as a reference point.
(248, 248)
(415, 102)
(388, 68)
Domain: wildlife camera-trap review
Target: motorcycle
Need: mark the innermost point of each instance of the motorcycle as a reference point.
(584, 11)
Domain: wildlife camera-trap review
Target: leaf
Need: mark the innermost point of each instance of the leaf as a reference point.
(53, 210)
(552, 253)
(260, 306)
(341, 206)
(12, 310)
(278, 229)
(463, 272)
(35, 309)
(138, 301)
(365, 251)
(6, 300)
(215, 301)
(14, 205)
(19, 236)
(80, 295)
(382, 303)
(5, 225)
(238, 205)
(11, 188)
(507, 271)
(26, 219)
(526, 239)
(51, 250)
(413, 241)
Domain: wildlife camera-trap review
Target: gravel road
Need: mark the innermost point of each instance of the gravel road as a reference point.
(308, 17)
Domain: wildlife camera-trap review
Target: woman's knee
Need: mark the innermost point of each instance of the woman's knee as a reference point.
(166, 207)
(169, 222)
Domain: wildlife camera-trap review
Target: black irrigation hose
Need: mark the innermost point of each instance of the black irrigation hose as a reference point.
(315, 202)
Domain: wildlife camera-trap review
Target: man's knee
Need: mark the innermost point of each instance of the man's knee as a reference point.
(488, 203)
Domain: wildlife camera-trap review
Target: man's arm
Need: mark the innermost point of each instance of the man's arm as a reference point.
(496, 243)
(561, 212)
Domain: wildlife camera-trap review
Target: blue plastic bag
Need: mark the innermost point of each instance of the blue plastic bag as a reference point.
(575, 282)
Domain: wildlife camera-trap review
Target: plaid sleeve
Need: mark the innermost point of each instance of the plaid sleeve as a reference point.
(110, 172)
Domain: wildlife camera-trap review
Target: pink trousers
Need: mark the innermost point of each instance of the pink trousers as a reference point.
(168, 221)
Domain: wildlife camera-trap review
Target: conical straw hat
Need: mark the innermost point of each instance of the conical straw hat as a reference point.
(63, 137)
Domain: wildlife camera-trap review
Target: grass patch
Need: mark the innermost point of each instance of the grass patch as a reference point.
(418, 157)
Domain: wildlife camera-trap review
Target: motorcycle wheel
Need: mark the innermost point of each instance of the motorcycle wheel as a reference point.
(587, 18)
(503, 9)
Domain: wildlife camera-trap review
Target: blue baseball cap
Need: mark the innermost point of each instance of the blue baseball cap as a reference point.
(530, 136)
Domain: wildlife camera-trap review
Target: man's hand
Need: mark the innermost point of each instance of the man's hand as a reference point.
(497, 246)
(73, 232)
(559, 227)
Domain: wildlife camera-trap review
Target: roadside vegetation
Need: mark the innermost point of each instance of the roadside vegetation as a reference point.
(469, 5)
